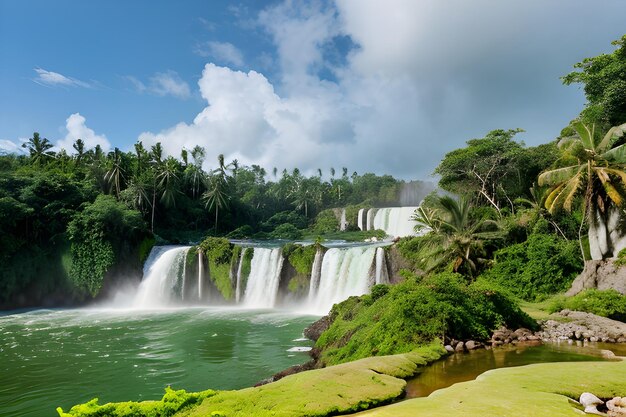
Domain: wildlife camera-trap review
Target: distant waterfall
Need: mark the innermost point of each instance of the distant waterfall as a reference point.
(382, 276)
(395, 221)
(200, 264)
(316, 272)
(345, 272)
(262, 287)
(239, 269)
(163, 277)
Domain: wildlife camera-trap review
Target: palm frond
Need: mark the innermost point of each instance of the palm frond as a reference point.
(558, 175)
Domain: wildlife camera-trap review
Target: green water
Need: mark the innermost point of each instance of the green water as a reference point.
(51, 358)
(467, 366)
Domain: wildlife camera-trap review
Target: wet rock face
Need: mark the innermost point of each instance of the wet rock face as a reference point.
(600, 274)
(315, 330)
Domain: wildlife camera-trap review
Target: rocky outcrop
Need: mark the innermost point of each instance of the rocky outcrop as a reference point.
(602, 275)
(395, 263)
(314, 331)
(584, 327)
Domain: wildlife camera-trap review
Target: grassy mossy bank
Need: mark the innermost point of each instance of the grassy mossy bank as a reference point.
(171, 403)
(349, 387)
(397, 319)
(532, 390)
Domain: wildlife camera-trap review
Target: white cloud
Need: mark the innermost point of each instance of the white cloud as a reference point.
(9, 147)
(53, 79)
(77, 129)
(166, 83)
(424, 77)
(222, 51)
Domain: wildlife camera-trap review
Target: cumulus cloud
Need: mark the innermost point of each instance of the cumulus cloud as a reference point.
(77, 129)
(166, 83)
(420, 79)
(11, 147)
(54, 79)
(224, 52)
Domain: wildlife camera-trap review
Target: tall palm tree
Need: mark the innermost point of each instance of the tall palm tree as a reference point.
(454, 238)
(596, 173)
(167, 181)
(115, 174)
(216, 197)
(79, 147)
(39, 149)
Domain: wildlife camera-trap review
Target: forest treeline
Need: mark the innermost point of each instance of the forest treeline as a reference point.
(68, 219)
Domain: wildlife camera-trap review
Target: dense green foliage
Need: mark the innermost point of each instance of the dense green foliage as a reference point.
(171, 403)
(415, 313)
(220, 254)
(543, 265)
(300, 257)
(99, 234)
(604, 80)
(609, 303)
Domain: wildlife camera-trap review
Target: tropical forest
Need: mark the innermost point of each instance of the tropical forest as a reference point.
(161, 278)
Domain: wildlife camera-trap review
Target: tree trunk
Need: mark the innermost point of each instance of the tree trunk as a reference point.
(606, 236)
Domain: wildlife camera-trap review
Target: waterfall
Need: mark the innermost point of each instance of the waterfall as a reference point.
(395, 221)
(162, 277)
(345, 272)
(200, 264)
(264, 278)
(360, 219)
(370, 218)
(239, 268)
(382, 276)
(316, 273)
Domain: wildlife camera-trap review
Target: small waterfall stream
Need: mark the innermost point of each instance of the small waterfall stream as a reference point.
(345, 272)
(200, 264)
(316, 273)
(262, 287)
(239, 269)
(163, 277)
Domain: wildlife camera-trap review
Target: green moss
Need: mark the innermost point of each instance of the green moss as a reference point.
(219, 252)
(300, 257)
(524, 391)
(171, 403)
(412, 314)
(335, 390)
(145, 247)
(298, 285)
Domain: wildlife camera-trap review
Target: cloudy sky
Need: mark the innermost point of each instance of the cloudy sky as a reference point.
(376, 86)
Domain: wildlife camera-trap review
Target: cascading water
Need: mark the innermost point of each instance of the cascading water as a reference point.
(395, 221)
(316, 272)
(239, 269)
(345, 272)
(200, 264)
(382, 276)
(262, 287)
(163, 277)
(343, 224)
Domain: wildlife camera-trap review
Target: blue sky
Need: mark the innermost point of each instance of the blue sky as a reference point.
(385, 87)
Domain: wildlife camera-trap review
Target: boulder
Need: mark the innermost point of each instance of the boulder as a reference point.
(601, 274)
(459, 347)
(616, 407)
(590, 402)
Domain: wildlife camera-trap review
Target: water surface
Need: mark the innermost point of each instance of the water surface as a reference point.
(51, 358)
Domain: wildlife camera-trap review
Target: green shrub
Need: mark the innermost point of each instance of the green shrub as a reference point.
(219, 252)
(326, 222)
(286, 231)
(609, 303)
(400, 318)
(170, 404)
(541, 266)
(300, 257)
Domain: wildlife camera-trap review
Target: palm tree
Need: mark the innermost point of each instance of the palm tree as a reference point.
(167, 178)
(595, 173)
(454, 238)
(39, 149)
(79, 147)
(142, 157)
(115, 174)
(216, 196)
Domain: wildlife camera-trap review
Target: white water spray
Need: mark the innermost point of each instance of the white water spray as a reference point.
(382, 276)
(262, 287)
(162, 275)
(200, 264)
(239, 269)
(345, 272)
